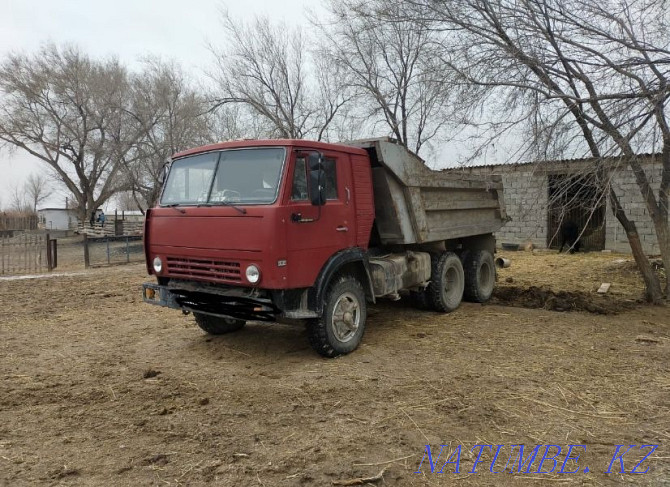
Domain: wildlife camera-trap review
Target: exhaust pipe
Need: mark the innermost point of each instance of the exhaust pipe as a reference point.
(503, 263)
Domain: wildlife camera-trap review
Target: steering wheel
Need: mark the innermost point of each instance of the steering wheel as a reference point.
(230, 195)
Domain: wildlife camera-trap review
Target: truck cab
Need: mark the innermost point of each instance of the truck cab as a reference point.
(282, 230)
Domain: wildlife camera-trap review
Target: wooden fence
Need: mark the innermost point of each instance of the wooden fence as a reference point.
(112, 228)
(10, 221)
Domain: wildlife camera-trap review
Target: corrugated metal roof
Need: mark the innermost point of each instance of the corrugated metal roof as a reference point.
(559, 161)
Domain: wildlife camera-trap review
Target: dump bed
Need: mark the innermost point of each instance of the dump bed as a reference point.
(414, 204)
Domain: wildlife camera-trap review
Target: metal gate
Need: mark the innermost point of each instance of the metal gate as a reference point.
(576, 198)
(25, 253)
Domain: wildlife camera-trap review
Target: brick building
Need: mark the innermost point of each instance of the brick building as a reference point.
(535, 209)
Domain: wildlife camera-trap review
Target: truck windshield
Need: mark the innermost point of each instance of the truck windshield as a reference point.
(246, 176)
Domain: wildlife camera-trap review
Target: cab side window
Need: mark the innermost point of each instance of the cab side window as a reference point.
(299, 188)
(300, 192)
(331, 178)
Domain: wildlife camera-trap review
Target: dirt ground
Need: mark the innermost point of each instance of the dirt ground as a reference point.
(98, 388)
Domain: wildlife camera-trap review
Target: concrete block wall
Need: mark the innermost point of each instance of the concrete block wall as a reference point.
(631, 199)
(526, 200)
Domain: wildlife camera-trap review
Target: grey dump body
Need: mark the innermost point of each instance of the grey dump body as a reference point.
(416, 205)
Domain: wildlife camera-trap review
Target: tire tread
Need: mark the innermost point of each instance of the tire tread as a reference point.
(471, 265)
(317, 329)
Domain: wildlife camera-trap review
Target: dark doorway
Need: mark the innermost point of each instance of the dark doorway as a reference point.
(576, 198)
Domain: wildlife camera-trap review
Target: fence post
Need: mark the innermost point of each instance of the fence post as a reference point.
(54, 244)
(87, 258)
(108, 251)
(127, 250)
(49, 257)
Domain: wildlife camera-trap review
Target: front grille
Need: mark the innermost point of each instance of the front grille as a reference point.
(204, 269)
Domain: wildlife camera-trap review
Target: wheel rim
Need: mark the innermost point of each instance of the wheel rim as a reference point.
(346, 317)
(451, 280)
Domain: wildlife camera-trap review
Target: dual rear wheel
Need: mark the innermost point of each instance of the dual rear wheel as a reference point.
(470, 276)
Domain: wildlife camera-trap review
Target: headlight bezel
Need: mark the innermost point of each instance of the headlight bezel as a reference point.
(157, 265)
(253, 274)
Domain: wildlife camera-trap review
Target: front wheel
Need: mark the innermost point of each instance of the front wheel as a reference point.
(340, 329)
(218, 325)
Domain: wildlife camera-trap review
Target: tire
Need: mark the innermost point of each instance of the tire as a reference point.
(447, 282)
(340, 329)
(216, 325)
(480, 276)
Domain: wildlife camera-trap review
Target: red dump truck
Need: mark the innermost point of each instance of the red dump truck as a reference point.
(294, 230)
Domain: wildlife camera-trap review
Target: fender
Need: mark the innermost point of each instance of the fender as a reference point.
(330, 269)
(145, 241)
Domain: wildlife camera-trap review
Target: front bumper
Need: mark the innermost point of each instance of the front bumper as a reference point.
(230, 304)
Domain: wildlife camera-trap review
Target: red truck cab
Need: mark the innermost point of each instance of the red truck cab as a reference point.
(239, 231)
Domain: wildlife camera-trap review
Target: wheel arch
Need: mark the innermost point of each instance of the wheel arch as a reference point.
(352, 261)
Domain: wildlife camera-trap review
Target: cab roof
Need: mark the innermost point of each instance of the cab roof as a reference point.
(239, 144)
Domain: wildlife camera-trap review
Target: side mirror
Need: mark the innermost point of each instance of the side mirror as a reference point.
(165, 170)
(317, 180)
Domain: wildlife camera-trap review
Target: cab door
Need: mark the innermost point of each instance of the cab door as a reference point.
(315, 233)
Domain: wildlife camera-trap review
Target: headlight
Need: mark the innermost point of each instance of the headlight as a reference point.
(158, 265)
(253, 274)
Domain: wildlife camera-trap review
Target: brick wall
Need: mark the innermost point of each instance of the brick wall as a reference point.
(526, 200)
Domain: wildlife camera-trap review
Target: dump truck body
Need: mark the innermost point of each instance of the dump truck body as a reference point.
(415, 204)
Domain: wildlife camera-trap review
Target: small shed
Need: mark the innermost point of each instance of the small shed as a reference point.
(57, 218)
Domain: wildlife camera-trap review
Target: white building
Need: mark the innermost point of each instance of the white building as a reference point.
(57, 218)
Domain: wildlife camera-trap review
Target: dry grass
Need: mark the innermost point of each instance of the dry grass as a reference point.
(98, 388)
(579, 272)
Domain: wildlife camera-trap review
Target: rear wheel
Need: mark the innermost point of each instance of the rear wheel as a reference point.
(480, 276)
(447, 282)
(218, 325)
(341, 327)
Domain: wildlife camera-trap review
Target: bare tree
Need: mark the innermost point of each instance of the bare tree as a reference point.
(594, 75)
(37, 189)
(236, 121)
(169, 115)
(391, 66)
(267, 68)
(129, 201)
(18, 200)
(67, 110)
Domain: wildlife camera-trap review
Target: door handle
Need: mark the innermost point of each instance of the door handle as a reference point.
(342, 228)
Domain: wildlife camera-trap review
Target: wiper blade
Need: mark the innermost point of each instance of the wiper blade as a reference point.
(228, 203)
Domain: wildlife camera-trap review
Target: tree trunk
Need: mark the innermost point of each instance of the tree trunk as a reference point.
(652, 284)
(663, 237)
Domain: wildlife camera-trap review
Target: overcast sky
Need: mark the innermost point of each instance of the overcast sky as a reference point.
(129, 29)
